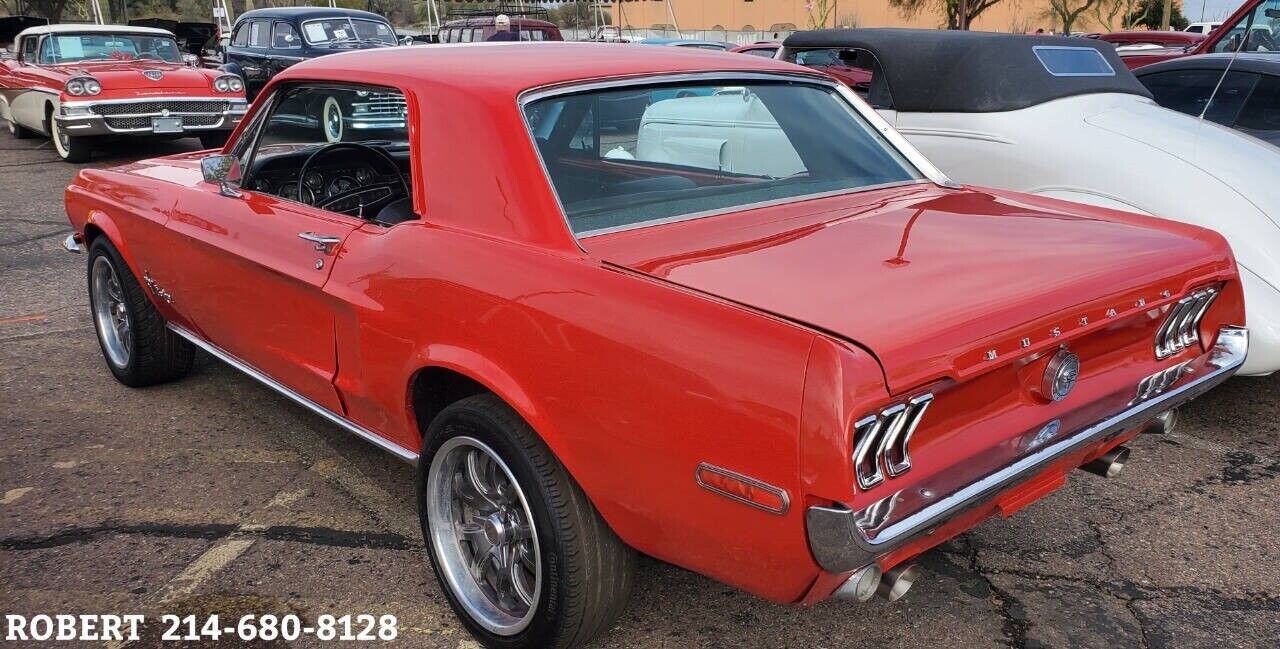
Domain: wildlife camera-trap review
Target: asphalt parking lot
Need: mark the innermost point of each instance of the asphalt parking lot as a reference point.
(214, 495)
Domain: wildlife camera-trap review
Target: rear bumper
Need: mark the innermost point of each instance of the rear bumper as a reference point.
(843, 540)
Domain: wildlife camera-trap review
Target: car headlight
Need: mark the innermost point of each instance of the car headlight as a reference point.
(228, 83)
(81, 86)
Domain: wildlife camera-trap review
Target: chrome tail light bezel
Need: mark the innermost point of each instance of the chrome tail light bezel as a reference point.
(1181, 327)
(881, 448)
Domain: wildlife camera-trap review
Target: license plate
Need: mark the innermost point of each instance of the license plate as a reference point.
(166, 124)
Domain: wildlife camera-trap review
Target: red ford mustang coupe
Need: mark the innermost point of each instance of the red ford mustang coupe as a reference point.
(76, 83)
(621, 299)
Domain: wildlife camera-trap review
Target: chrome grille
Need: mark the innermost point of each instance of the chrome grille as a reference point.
(156, 107)
(380, 103)
(1181, 328)
(882, 441)
(134, 123)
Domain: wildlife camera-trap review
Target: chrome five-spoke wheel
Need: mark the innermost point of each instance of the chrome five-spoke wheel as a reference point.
(483, 535)
(110, 313)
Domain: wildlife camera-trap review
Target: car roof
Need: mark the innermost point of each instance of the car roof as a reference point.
(971, 72)
(485, 21)
(1257, 62)
(308, 13)
(511, 68)
(86, 28)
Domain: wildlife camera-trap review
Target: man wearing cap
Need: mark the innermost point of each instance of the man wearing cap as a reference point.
(503, 33)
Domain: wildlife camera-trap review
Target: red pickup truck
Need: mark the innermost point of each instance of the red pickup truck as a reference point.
(1260, 19)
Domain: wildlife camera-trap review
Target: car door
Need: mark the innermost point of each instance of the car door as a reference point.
(253, 266)
(286, 48)
(251, 45)
(31, 90)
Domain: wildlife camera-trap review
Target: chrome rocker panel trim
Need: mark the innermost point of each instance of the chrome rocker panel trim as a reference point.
(350, 426)
(839, 545)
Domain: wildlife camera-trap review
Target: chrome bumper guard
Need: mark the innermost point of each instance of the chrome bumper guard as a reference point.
(839, 544)
(72, 244)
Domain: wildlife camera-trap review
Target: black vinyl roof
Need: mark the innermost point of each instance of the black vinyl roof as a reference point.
(972, 72)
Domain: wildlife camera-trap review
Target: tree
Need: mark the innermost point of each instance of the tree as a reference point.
(1069, 11)
(51, 9)
(1127, 12)
(1150, 14)
(578, 15)
(819, 12)
(949, 8)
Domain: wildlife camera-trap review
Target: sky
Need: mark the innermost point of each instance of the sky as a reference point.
(1207, 10)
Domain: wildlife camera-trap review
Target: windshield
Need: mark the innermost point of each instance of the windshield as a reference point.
(73, 48)
(1263, 27)
(625, 157)
(334, 31)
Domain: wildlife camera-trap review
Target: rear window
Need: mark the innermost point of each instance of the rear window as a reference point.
(1063, 61)
(627, 157)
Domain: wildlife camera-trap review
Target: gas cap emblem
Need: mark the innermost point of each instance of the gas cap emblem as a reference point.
(1060, 375)
(154, 75)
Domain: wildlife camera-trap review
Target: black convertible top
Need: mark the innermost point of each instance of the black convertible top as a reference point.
(979, 72)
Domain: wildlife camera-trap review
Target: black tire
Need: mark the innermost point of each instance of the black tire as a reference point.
(588, 570)
(156, 354)
(214, 139)
(70, 149)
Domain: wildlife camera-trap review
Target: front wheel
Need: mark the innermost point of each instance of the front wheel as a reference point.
(138, 347)
(71, 149)
(523, 557)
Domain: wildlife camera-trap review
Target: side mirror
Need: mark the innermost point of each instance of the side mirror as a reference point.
(223, 171)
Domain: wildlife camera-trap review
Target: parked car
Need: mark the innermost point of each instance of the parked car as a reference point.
(192, 36)
(1202, 27)
(1149, 38)
(1260, 18)
(10, 27)
(1248, 99)
(764, 49)
(720, 46)
(265, 42)
(793, 368)
(1066, 119)
(78, 83)
(479, 27)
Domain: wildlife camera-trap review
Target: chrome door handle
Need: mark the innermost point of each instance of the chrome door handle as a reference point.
(323, 242)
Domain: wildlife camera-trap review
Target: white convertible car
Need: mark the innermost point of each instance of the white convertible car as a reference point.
(1063, 117)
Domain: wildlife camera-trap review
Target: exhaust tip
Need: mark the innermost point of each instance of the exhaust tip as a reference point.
(1164, 422)
(860, 586)
(1110, 464)
(895, 583)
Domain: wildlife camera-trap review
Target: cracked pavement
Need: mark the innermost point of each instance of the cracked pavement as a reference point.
(215, 495)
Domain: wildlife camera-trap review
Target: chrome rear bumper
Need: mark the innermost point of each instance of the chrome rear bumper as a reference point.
(843, 539)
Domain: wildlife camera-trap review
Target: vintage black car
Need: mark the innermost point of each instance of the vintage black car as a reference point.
(266, 41)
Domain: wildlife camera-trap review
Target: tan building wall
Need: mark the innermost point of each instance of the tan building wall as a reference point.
(762, 15)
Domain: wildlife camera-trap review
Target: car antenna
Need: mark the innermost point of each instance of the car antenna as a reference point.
(1244, 39)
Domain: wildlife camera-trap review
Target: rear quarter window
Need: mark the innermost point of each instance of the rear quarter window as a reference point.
(1066, 61)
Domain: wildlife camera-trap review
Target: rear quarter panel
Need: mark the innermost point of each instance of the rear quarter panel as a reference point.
(631, 382)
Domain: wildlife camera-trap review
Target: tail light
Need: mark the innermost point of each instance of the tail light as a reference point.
(882, 441)
(1181, 328)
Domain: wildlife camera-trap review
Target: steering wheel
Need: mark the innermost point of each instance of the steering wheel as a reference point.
(371, 197)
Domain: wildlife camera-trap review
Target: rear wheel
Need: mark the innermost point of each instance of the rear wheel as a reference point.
(71, 149)
(521, 554)
(137, 346)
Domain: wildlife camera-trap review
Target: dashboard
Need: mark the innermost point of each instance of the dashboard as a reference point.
(320, 183)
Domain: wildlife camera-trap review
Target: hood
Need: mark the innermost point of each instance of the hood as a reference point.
(128, 75)
(925, 278)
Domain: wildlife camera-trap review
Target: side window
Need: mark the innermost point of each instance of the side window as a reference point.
(1263, 26)
(1187, 91)
(241, 39)
(29, 49)
(466, 36)
(1262, 111)
(258, 33)
(285, 37)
